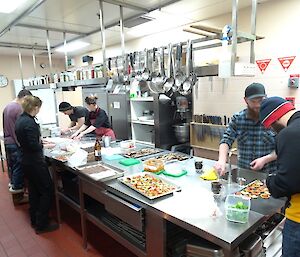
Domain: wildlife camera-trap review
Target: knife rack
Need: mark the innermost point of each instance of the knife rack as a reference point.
(206, 135)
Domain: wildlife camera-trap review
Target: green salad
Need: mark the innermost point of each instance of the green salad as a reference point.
(237, 212)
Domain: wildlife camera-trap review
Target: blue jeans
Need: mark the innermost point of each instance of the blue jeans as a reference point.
(14, 158)
(291, 239)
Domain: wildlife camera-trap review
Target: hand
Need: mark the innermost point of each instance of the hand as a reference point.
(258, 163)
(74, 135)
(220, 167)
(79, 136)
(65, 130)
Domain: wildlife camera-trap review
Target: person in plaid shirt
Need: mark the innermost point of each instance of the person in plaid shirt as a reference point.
(256, 144)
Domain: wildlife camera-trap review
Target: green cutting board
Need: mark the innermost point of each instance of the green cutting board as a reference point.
(129, 161)
(182, 173)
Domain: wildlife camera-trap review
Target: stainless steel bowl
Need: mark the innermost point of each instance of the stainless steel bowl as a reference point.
(182, 132)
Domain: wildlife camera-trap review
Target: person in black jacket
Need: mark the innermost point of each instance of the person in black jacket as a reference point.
(281, 116)
(40, 185)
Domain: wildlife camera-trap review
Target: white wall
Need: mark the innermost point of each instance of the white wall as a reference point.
(9, 67)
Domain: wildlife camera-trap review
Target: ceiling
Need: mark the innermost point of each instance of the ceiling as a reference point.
(26, 27)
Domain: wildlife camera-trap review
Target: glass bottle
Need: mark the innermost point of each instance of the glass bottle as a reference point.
(97, 150)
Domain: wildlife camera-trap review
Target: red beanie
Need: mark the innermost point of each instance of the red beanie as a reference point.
(272, 109)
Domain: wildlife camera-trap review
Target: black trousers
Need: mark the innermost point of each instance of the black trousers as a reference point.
(41, 192)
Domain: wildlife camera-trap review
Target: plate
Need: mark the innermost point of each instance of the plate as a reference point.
(149, 185)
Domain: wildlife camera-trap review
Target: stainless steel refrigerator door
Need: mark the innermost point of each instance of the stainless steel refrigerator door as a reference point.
(119, 114)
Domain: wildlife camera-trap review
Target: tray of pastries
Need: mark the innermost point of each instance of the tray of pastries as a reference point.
(254, 190)
(172, 156)
(142, 152)
(149, 185)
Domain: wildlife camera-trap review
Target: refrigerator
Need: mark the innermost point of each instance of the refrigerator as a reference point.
(119, 114)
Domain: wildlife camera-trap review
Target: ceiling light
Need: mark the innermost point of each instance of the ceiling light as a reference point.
(9, 6)
(73, 46)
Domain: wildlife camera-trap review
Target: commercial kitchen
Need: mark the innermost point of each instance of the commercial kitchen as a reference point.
(170, 74)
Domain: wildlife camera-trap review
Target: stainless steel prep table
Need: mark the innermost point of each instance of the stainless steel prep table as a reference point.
(217, 230)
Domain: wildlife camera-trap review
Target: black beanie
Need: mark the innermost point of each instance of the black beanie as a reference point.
(64, 106)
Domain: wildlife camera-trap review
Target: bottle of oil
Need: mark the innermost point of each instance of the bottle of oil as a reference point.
(97, 150)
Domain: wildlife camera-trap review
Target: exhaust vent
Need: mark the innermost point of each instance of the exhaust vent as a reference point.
(137, 21)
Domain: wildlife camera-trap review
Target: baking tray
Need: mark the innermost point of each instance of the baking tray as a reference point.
(168, 186)
(91, 169)
(166, 157)
(256, 192)
(142, 152)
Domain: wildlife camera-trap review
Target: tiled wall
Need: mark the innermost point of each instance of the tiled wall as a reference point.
(216, 96)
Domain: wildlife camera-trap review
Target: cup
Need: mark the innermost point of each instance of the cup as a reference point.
(106, 141)
(216, 187)
(198, 166)
(241, 181)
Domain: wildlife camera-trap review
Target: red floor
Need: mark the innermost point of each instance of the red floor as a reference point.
(18, 239)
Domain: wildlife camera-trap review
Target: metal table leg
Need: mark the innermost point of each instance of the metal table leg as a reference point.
(155, 235)
(82, 216)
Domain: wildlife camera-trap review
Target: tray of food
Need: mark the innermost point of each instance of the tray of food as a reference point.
(172, 156)
(61, 158)
(142, 152)
(153, 165)
(254, 190)
(149, 185)
(99, 171)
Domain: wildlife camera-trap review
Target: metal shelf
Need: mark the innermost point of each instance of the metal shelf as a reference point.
(148, 122)
(142, 99)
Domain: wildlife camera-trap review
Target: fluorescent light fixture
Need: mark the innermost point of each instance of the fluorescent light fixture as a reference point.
(73, 46)
(8, 6)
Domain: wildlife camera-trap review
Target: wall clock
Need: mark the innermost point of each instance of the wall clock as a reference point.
(3, 81)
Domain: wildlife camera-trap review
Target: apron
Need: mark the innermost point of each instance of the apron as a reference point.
(101, 131)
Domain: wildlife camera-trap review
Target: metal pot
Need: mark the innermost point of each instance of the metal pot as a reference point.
(182, 132)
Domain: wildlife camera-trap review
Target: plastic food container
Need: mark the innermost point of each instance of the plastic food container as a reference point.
(153, 165)
(237, 208)
(127, 145)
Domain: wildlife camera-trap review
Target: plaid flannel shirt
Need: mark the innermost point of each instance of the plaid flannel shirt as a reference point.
(253, 140)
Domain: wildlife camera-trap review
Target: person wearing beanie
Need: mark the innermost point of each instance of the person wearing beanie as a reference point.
(255, 143)
(77, 115)
(281, 116)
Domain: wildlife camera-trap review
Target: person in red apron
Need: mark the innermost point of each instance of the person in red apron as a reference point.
(97, 121)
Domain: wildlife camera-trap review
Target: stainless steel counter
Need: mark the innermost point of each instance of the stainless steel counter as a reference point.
(193, 193)
(188, 208)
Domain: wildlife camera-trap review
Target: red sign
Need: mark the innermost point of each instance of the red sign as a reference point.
(291, 100)
(286, 62)
(263, 64)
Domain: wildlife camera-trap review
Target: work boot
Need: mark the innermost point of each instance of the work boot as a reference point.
(51, 227)
(16, 191)
(22, 200)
